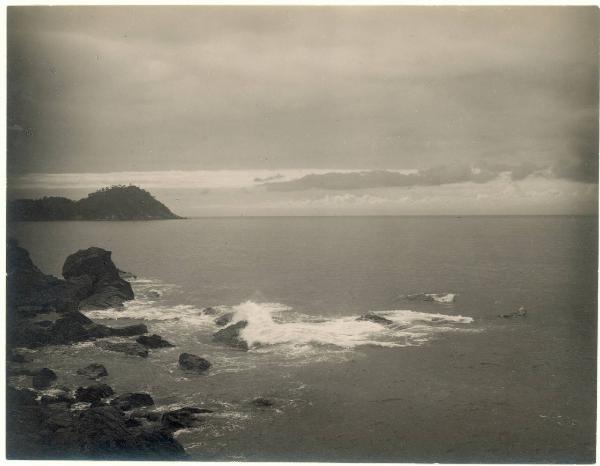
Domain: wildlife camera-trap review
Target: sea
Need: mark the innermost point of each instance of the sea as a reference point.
(490, 353)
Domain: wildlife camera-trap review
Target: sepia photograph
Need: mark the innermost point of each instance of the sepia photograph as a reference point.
(302, 233)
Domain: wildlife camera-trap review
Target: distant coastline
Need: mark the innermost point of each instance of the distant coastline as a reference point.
(115, 203)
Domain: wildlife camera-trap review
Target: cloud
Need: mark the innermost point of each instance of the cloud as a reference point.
(435, 176)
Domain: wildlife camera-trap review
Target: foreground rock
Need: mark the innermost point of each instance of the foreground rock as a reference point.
(133, 349)
(193, 363)
(93, 371)
(93, 393)
(94, 268)
(129, 401)
(153, 341)
(372, 317)
(43, 310)
(231, 335)
(37, 431)
(42, 378)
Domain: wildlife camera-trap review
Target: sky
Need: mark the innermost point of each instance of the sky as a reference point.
(308, 110)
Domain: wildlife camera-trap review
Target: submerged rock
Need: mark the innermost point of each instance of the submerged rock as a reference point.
(93, 371)
(42, 378)
(93, 393)
(231, 335)
(262, 402)
(192, 362)
(372, 317)
(224, 319)
(134, 349)
(129, 401)
(182, 418)
(129, 331)
(521, 312)
(153, 341)
(209, 311)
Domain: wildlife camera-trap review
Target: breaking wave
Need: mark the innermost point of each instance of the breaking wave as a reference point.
(271, 326)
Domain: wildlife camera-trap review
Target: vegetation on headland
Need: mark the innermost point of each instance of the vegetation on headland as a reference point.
(118, 202)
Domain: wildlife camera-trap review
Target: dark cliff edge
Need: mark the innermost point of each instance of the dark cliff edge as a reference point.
(113, 203)
(75, 422)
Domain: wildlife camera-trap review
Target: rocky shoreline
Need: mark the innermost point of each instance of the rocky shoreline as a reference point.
(53, 421)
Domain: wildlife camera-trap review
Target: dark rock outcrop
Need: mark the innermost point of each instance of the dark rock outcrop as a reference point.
(129, 401)
(193, 363)
(231, 335)
(34, 298)
(153, 341)
(113, 203)
(93, 393)
(133, 349)
(377, 319)
(209, 311)
(94, 268)
(43, 378)
(223, 320)
(182, 418)
(93, 371)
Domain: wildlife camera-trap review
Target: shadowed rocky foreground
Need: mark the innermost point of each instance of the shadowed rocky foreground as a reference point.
(51, 421)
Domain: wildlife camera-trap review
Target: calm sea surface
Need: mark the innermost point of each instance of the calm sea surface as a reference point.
(424, 388)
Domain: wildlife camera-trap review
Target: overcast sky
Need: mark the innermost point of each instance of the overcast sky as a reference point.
(248, 109)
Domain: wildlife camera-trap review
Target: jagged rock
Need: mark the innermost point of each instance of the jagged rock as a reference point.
(93, 393)
(224, 319)
(20, 396)
(15, 356)
(103, 432)
(134, 349)
(129, 401)
(372, 317)
(231, 335)
(153, 341)
(182, 418)
(42, 378)
(95, 265)
(262, 402)
(193, 362)
(93, 371)
(59, 396)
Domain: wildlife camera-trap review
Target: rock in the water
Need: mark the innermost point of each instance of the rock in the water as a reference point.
(129, 331)
(153, 341)
(182, 418)
(372, 317)
(95, 265)
(262, 402)
(209, 311)
(231, 335)
(134, 349)
(43, 378)
(93, 371)
(93, 393)
(193, 362)
(224, 319)
(58, 396)
(129, 401)
(154, 294)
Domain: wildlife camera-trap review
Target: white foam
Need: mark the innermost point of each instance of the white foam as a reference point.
(267, 327)
(442, 298)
